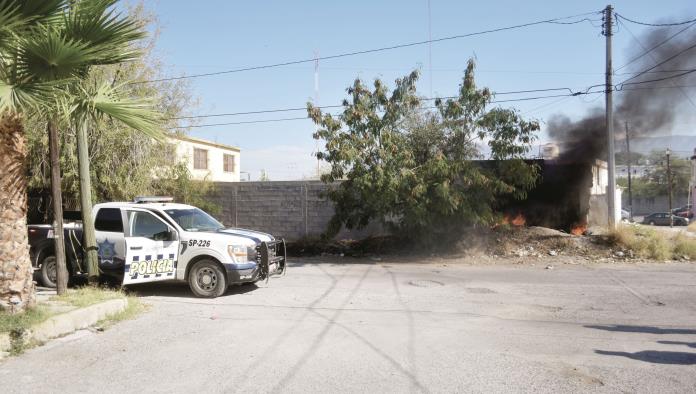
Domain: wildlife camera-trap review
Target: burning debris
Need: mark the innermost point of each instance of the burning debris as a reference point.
(518, 220)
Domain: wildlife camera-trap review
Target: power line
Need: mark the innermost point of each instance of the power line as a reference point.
(305, 117)
(620, 86)
(564, 96)
(347, 54)
(647, 51)
(570, 91)
(688, 98)
(654, 24)
(244, 122)
(658, 64)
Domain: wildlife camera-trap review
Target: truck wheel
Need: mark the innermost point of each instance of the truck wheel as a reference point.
(206, 279)
(49, 271)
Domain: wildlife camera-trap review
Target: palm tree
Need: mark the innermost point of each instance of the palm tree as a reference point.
(46, 47)
(88, 102)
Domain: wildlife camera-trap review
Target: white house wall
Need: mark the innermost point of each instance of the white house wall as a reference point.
(215, 171)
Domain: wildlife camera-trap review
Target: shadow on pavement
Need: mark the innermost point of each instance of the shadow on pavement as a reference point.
(643, 329)
(656, 357)
(180, 290)
(692, 344)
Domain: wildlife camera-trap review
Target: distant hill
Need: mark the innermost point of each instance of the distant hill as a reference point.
(680, 145)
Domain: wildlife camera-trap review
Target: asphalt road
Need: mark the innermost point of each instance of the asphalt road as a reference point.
(394, 327)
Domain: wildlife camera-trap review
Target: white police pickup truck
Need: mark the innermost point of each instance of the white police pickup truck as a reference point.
(153, 239)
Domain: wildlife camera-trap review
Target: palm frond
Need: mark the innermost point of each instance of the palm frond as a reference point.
(25, 97)
(110, 34)
(113, 101)
(41, 11)
(16, 14)
(10, 16)
(47, 55)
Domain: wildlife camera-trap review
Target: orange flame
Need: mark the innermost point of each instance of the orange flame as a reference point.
(578, 229)
(518, 220)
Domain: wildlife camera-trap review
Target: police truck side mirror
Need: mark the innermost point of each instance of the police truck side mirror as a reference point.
(172, 235)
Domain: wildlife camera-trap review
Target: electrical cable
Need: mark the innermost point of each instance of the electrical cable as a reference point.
(684, 93)
(620, 86)
(570, 91)
(305, 117)
(362, 52)
(658, 64)
(654, 24)
(654, 47)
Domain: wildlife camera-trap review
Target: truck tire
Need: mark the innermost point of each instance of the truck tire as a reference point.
(207, 280)
(49, 271)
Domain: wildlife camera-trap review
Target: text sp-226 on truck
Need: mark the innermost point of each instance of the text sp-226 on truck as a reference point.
(153, 239)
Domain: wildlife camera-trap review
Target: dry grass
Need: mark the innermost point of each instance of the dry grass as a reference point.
(88, 295)
(21, 321)
(650, 244)
(684, 247)
(691, 227)
(134, 308)
(18, 324)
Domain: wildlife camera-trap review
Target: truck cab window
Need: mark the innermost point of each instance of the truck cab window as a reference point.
(145, 224)
(109, 219)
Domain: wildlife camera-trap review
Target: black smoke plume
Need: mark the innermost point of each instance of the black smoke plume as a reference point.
(649, 102)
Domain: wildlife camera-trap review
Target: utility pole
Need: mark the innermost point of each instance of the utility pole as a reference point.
(628, 158)
(611, 166)
(91, 257)
(430, 50)
(57, 197)
(316, 103)
(669, 188)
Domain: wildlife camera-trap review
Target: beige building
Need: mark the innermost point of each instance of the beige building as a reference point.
(208, 160)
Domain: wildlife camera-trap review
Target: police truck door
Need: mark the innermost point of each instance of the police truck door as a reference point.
(151, 248)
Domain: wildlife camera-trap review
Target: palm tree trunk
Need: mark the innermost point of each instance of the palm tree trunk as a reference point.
(57, 197)
(16, 272)
(91, 257)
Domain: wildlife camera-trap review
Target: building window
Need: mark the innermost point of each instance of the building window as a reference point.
(200, 159)
(228, 162)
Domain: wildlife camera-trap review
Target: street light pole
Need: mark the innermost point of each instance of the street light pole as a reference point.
(669, 189)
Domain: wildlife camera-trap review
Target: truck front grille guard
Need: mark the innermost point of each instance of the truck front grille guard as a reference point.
(271, 254)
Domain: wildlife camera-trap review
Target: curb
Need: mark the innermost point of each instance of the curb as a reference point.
(68, 322)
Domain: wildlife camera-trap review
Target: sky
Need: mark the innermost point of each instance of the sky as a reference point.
(213, 35)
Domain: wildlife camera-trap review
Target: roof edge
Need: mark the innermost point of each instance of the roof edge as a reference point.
(204, 142)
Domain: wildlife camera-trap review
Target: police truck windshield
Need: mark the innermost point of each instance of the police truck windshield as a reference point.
(194, 219)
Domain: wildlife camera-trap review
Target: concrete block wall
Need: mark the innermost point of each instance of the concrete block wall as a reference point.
(648, 205)
(289, 209)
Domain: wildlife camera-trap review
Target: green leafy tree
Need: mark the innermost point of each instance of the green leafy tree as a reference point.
(414, 169)
(654, 183)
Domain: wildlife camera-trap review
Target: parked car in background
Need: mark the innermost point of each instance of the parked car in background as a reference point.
(685, 211)
(625, 215)
(662, 219)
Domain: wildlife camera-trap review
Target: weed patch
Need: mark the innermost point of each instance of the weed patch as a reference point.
(10, 323)
(648, 243)
(134, 308)
(88, 295)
